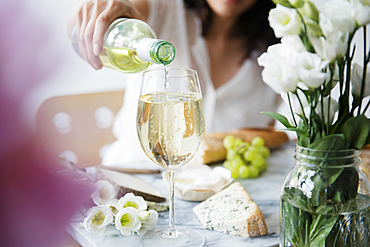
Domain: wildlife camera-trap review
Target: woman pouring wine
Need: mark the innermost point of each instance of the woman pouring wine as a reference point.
(220, 39)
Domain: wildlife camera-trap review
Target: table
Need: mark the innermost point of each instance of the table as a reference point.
(264, 190)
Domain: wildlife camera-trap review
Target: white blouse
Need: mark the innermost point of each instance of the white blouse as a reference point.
(235, 104)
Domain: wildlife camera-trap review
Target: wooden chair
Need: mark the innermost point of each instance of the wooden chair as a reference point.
(78, 127)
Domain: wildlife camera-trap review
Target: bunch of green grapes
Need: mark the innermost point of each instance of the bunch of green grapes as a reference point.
(244, 159)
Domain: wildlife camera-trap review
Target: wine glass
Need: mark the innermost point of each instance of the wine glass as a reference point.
(170, 126)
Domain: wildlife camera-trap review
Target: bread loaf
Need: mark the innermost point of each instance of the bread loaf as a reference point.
(215, 152)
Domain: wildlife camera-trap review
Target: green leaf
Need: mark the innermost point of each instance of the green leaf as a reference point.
(282, 119)
(356, 130)
(345, 186)
(298, 131)
(295, 219)
(303, 139)
(328, 143)
(322, 224)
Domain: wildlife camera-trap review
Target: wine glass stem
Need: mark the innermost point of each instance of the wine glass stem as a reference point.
(172, 199)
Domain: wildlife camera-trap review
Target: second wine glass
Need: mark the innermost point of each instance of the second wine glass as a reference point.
(170, 126)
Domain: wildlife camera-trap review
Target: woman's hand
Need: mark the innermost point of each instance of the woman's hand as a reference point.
(92, 18)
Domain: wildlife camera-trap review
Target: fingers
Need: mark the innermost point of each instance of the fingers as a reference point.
(82, 22)
(89, 33)
(101, 26)
(105, 18)
(93, 19)
(86, 17)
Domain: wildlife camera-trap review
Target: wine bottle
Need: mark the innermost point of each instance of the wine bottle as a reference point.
(131, 46)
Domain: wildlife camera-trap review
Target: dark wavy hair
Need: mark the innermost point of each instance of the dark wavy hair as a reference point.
(252, 25)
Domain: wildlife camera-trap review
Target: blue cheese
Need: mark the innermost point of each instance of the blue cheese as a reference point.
(232, 211)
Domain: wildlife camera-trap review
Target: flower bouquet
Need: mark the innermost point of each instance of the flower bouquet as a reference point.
(325, 198)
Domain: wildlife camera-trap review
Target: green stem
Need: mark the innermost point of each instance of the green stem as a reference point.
(307, 237)
(304, 35)
(345, 66)
(349, 59)
(312, 108)
(291, 110)
(367, 106)
(322, 113)
(341, 77)
(363, 73)
(328, 112)
(302, 108)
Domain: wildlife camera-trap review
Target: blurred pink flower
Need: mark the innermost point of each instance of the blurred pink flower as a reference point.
(36, 205)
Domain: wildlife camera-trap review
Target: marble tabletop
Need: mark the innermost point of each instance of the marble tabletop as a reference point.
(264, 190)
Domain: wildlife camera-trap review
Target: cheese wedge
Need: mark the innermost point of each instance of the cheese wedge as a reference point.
(130, 184)
(232, 211)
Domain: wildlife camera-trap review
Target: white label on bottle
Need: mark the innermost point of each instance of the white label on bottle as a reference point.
(143, 49)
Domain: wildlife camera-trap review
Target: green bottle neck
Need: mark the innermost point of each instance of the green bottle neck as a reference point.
(156, 51)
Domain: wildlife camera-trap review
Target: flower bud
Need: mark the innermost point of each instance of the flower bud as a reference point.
(356, 80)
(309, 9)
(143, 215)
(285, 3)
(296, 3)
(313, 28)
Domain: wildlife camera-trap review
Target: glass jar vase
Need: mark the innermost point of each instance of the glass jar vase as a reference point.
(325, 200)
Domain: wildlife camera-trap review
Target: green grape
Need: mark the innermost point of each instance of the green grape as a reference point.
(229, 142)
(238, 142)
(237, 162)
(230, 154)
(258, 141)
(264, 166)
(258, 160)
(244, 171)
(248, 155)
(234, 171)
(227, 164)
(254, 172)
(243, 159)
(254, 149)
(265, 152)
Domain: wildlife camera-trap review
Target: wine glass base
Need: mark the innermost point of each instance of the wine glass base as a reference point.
(178, 237)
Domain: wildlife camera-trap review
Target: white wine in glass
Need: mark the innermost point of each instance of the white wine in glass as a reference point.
(170, 125)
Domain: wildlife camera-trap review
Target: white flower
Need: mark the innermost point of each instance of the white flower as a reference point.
(357, 71)
(97, 219)
(330, 48)
(310, 69)
(333, 44)
(284, 21)
(127, 221)
(104, 193)
(361, 12)
(333, 109)
(294, 42)
(130, 200)
(148, 221)
(340, 14)
(279, 64)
